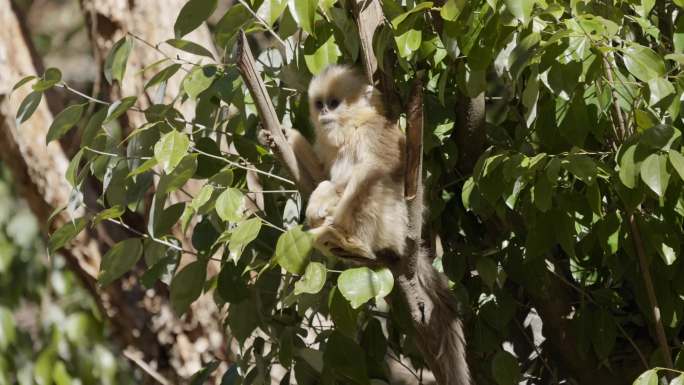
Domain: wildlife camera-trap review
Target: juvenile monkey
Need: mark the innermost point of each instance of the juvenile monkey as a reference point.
(361, 208)
(358, 209)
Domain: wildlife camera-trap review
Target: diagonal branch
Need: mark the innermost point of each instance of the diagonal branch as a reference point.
(267, 114)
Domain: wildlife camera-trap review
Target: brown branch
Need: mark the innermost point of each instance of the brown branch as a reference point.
(268, 117)
(650, 292)
(369, 16)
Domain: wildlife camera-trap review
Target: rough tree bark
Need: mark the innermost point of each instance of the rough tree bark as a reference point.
(168, 349)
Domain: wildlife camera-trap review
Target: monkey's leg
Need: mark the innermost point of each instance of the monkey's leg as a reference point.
(331, 238)
(357, 188)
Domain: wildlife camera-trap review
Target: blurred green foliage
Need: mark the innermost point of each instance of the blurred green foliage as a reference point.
(51, 331)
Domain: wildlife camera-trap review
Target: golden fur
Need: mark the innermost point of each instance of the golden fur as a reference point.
(361, 208)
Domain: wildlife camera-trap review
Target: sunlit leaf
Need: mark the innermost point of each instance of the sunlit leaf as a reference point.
(292, 250)
(304, 13)
(229, 205)
(643, 62)
(170, 149)
(358, 285)
(313, 279)
(654, 173)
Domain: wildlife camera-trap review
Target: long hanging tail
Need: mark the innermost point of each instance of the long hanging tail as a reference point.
(440, 332)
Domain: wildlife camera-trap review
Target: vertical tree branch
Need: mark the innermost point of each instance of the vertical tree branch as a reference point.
(268, 117)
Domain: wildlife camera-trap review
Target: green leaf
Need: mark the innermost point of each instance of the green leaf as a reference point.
(163, 75)
(649, 377)
(189, 47)
(452, 9)
(119, 107)
(628, 171)
(304, 13)
(7, 329)
(487, 270)
(202, 376)
(358, 285)
(64, 121)
(72, 170)
(23, 81)
(170, 149)
(292, 250)
(659, 136)
(521, 9)
(146, 166)
(313, 279)
(583, 167)
(270, 10)
(110, 213)
(420, 7)
(231, 22)
(187, 286)
(51, 77)
(677, 162)
(230, 284)
(115, 63)
(28, 107)
(65, 234)
(346, 358)
(119, 259)
(229, 205)
(321, 51)
(192, 15)
(202, 197)
(181, 173)
(654, 173)
(541, 194)
(644, 63)
(347, 32)
(659, 88)
(199, 80)
(408, 42)
(505, 369)
(244, 233)
(603, 333)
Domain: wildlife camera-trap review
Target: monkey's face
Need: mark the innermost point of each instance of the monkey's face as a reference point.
(335, 97)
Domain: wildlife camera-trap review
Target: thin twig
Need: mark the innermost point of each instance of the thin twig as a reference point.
(146, 367)
(238, 165)
(263, 23)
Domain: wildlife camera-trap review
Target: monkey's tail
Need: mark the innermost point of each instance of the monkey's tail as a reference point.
(440, 334)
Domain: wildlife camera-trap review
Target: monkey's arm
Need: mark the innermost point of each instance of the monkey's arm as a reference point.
(305, 154)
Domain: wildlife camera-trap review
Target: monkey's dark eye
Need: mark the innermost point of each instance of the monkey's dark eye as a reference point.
(333, 103)
(318, 104)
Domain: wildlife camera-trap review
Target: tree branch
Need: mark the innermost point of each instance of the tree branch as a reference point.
(268, 117)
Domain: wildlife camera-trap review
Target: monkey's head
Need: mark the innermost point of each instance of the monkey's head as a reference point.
(340, 96)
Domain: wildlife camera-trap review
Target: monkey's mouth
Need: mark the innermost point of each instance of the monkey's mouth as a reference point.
(326, 122)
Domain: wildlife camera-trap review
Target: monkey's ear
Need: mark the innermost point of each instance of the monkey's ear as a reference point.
(371, 92)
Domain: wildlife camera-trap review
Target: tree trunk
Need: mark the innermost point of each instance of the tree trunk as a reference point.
(167, 348)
